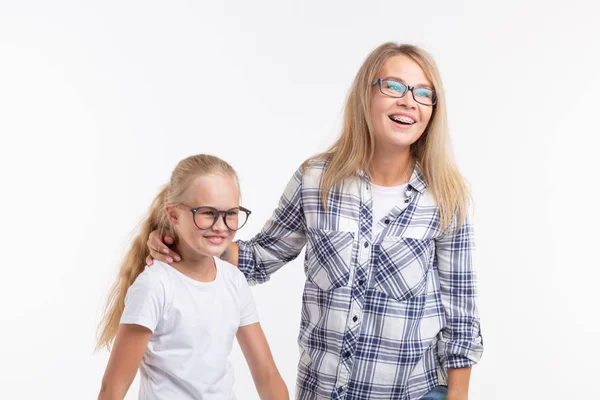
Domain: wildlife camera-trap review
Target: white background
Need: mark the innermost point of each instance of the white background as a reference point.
(99, 100)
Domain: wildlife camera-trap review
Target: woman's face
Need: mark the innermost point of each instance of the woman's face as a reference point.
(399, 122)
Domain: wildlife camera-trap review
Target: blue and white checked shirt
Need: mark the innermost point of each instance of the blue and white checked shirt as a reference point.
(383, 315)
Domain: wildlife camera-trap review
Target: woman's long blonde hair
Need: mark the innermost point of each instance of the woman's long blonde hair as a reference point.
(135, 260)
(354, 150)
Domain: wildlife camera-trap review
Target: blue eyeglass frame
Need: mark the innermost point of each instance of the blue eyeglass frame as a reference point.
(379, 81)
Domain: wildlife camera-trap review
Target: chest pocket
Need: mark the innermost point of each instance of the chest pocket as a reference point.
(328, 258)
(402, 266)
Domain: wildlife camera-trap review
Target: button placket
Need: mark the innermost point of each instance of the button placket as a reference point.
(342, 381)
(355, 313)
(364, 252)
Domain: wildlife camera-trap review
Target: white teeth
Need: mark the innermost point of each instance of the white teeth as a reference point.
(402, 118)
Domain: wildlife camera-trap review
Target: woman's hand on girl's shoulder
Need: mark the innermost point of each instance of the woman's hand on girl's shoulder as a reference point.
(159, 249)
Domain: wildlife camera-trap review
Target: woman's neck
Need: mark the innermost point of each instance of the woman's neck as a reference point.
(391, 168)
(196, 266)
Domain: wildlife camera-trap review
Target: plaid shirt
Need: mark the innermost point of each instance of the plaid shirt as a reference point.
(383, 315)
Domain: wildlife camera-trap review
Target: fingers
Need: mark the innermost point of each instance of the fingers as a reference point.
(168, 252)
(155, 243)
(166, 255)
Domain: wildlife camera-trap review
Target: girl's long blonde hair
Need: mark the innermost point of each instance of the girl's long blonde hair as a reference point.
(135, 260)
(354, 149)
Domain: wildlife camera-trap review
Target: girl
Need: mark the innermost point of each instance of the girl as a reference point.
(177, 323)
(388, 307)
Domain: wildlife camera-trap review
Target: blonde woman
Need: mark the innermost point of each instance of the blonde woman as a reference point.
(389, 301)
(177, 323)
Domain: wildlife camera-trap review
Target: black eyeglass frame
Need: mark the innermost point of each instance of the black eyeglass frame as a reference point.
(380, 81)
(218, 213)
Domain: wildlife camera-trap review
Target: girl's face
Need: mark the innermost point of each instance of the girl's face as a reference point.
(217, 191)
(399, 122)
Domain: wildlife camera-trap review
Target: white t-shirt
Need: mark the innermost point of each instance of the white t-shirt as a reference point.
(193, 325)
(385, 198)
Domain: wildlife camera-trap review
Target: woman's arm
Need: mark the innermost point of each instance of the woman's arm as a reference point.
(460, 345)
(125, 358)
(458, 383)
(258, 355)
(231, 254)
(280, 241)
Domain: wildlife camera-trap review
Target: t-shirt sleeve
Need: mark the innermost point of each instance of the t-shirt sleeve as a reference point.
(248, 312)
(144, 302)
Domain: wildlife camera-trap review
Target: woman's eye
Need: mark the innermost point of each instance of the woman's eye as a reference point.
(423, 93)
(395, 87)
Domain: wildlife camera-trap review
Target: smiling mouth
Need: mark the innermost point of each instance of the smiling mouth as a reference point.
(402, 120)
(215, 239)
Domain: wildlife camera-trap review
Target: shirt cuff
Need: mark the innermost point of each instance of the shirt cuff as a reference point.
(247, 263)
(460, 354)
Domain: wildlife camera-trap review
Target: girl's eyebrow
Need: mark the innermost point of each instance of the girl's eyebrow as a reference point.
(420, 85)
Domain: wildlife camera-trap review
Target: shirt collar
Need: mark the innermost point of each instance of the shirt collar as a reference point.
(417, 180)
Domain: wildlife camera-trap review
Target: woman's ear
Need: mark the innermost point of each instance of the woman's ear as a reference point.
(172, 214)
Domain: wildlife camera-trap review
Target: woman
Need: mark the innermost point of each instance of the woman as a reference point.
(389, 301)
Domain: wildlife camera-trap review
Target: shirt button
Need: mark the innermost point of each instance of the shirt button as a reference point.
(340, 389)
(347, 354)
(366, 245)
(355, 318)
(387, 221)
(361, 282)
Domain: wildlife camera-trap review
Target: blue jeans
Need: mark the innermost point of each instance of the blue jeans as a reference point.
(438, 393)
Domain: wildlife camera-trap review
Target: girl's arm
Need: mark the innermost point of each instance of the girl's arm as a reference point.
(258, 355)
(125, 358)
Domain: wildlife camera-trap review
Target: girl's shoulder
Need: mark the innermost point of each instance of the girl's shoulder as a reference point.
(159, 271)
(152, 290)
(155, 278)
(230, 273)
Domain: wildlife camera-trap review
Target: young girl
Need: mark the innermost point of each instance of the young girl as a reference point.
(177, 323)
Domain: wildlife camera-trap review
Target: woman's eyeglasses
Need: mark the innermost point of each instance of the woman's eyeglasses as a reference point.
(396, 89)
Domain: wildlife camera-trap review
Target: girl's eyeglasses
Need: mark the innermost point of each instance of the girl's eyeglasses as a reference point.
(206, 217)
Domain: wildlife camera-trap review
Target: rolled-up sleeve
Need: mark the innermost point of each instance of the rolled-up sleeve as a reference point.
(461, 343)
(281, 239)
